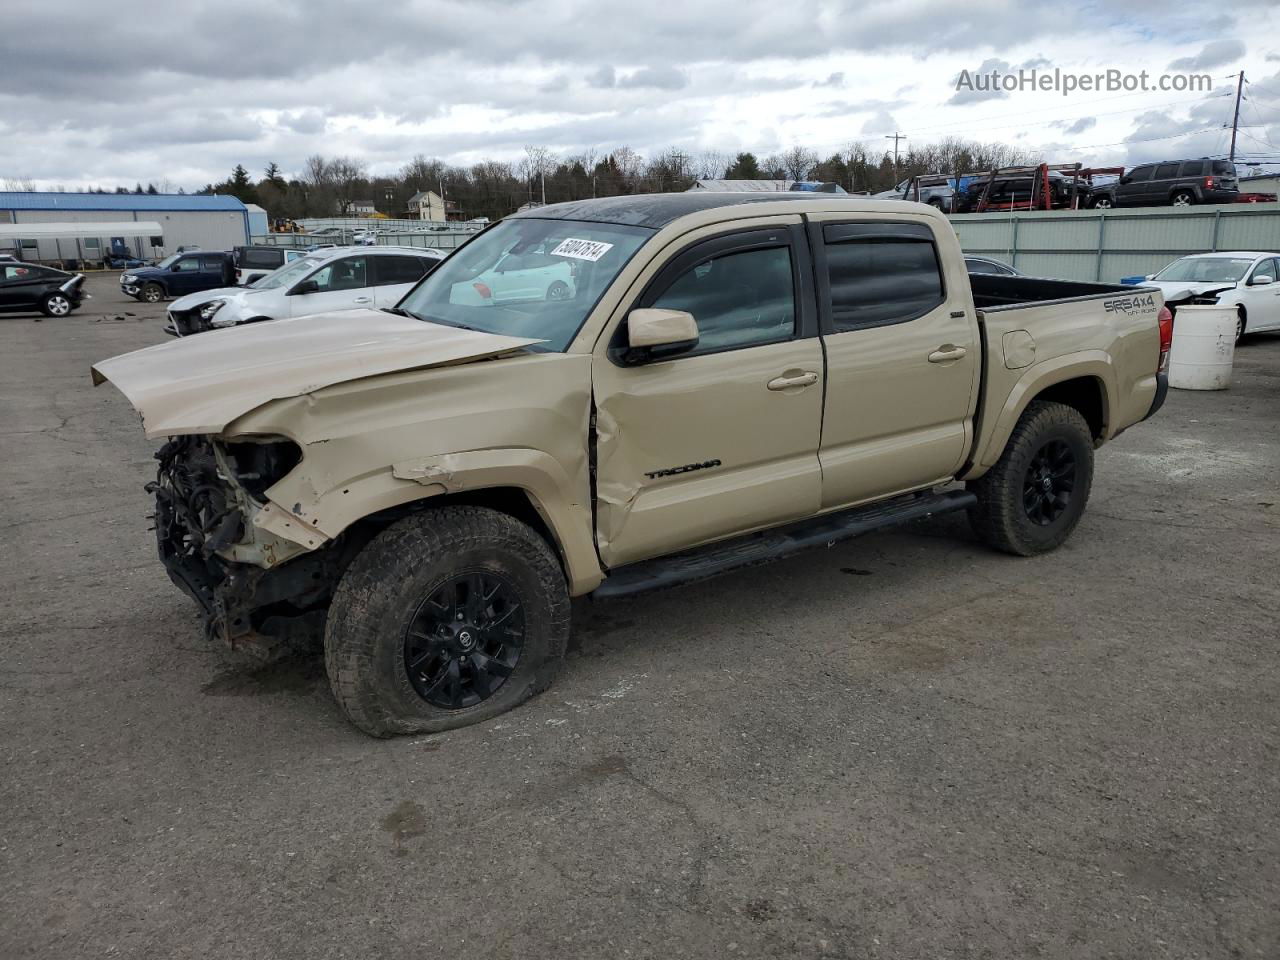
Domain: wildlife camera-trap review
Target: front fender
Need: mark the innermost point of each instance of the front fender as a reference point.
(549, 488)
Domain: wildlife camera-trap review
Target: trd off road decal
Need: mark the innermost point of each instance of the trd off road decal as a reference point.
(1145, 303)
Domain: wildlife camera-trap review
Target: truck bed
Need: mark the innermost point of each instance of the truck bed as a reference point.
(992, 292)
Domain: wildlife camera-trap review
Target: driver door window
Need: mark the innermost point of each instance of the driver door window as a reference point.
(348, 274)
(740, 299)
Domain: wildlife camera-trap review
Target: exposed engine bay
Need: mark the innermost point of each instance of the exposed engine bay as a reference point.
(206, 491)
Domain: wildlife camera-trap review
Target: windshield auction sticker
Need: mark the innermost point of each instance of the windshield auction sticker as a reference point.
(591, 250)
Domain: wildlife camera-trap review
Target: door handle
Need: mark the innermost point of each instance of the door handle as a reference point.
(946, 353)
(363, 300)
(786, 383)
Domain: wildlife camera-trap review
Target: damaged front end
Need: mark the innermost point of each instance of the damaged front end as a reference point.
(208, 495)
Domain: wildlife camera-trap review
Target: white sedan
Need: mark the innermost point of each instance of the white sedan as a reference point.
(1245, 279)
(518, 277)
(342, 278)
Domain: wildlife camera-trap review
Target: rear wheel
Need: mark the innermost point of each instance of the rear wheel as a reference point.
(1183, 198)
(1033, 497)
(56, 305)
(151, 293)
(446, 618)
(1240, 324)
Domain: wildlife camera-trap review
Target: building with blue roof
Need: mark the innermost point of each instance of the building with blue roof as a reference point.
(185, 220)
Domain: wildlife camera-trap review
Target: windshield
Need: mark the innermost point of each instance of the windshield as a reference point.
(527, 278)
(168, 261)
(287, 274)
(1205, 270)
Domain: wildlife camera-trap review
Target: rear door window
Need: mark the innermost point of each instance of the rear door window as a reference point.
(211, 264)
(394, 269)
(881, 273)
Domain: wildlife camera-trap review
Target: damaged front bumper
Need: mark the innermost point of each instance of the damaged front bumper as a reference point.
(211, 540)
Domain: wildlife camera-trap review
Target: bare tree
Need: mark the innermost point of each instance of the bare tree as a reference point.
(348, 175)
(23, 184)
(711, 164)
(798, 162)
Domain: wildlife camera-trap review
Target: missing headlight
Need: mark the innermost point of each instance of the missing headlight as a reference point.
(259, 465)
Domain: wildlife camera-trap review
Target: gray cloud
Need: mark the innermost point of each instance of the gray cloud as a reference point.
(833, 80)
(880, 122)
(603, 78)
(1077, 126)
(1215, 53)
(658, 78)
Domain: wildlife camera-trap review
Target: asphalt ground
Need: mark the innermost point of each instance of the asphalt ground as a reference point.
(906, 746)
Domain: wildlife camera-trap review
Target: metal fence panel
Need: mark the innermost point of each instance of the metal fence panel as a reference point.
(1109, 244)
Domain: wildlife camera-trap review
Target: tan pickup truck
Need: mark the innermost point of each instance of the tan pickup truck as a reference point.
(609, 396)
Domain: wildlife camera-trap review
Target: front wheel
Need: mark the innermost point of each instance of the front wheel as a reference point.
(1103, 203)
(1033, 497)
(152, 293)
(56, 305)
(446, 618)
(558, 291)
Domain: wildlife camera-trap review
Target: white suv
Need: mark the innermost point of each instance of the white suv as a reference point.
(343, 278)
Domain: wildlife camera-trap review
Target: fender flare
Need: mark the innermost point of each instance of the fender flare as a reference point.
(1094, 364)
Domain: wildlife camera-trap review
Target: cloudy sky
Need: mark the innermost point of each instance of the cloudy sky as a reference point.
(91, 94)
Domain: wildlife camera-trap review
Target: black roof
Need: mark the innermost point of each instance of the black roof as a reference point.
(658, 209)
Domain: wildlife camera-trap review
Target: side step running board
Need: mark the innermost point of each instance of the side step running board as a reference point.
(757, 548)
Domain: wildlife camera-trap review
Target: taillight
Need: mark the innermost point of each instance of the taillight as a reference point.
(1165, 319)
(1208, 183)
(483, 290)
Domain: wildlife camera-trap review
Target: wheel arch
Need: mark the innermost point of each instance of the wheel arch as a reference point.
(526, 484)
(1085, 383)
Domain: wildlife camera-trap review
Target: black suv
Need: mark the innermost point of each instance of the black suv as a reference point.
(1177, 182)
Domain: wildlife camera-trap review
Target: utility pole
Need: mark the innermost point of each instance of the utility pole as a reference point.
(1235, 121)
(895, 138)
(544, 188)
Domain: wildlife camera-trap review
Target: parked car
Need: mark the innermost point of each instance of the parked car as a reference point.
(344, 278)
(1181, 183)
(935, 194)
(253, 263)
(1014, 192)
(433, 485)
(178, 275)
(518, 276)
(29, 287)
(1245, 279)
(987, 265)
(8, 258)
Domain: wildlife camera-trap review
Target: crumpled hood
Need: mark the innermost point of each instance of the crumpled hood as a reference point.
(200, 384)
(1180, 289)
(192, 300)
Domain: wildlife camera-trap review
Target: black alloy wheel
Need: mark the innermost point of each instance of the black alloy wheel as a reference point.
(465, 639)
(1049, 481)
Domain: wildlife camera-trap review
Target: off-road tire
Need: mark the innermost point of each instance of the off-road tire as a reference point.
(999, 518)
(151, 293)
(378, 595)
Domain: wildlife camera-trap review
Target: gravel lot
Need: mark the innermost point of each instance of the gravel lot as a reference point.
(904, 747)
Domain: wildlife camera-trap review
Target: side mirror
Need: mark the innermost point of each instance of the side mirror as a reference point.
(1126, 179)
(1150, 276)
(654, 334)
(1259, 281)
(306, 286)
(174, 267)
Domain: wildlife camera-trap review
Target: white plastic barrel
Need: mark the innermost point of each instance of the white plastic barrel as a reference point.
(1204, 347)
